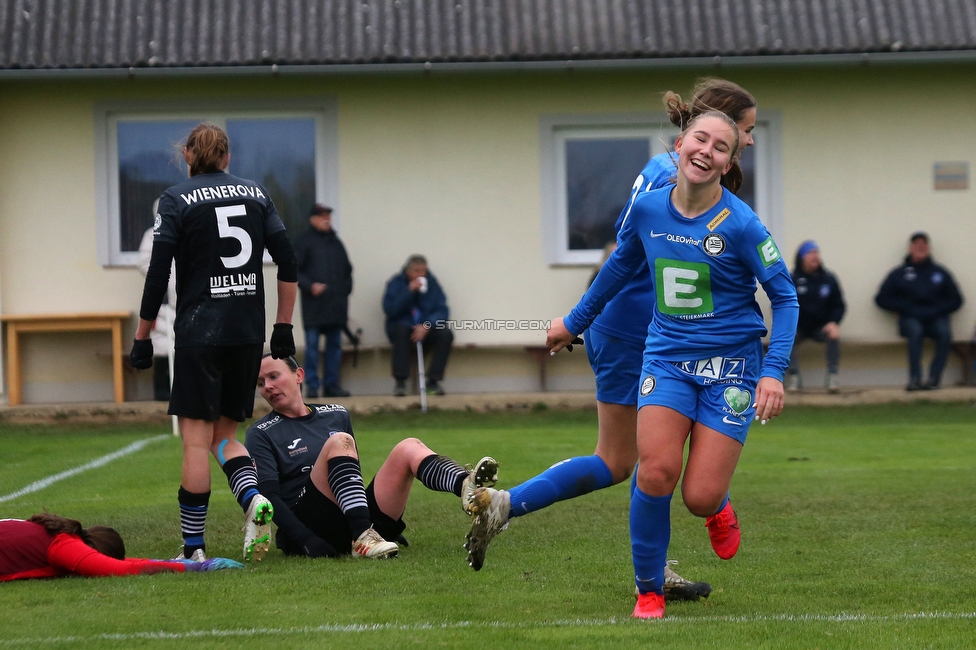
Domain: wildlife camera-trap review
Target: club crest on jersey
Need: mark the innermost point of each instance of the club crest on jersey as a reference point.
(737, 399)
(647, 386)
(714, 244)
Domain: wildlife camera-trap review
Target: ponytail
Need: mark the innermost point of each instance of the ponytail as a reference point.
(206, 147)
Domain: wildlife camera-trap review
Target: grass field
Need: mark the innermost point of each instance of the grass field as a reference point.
(858, 531)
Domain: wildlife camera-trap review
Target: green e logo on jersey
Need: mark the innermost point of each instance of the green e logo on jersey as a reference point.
(683, 288)
(768, 252)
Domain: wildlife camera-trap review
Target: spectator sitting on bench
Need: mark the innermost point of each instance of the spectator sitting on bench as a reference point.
(821, 310)
(416, 308)
(923, 294)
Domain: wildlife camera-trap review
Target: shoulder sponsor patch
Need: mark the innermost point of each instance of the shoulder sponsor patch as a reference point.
(768, 252)
(719, 218)
(647, 386)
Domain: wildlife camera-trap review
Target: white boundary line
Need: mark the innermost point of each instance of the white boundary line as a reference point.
(357, 628)
(98, 462)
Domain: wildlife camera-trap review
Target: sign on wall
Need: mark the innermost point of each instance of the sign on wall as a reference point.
(951, 175)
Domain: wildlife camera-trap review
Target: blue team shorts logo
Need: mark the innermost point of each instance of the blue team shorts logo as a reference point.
(647, 386)
(714, 244)
(737, 399)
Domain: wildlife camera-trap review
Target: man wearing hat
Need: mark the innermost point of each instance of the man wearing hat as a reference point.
(325, 282)
(821, 310)
(923, 294)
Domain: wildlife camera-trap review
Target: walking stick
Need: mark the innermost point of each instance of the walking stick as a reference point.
(421, 377)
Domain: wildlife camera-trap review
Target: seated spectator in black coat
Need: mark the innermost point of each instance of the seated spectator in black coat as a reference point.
(821, 310)
(416, 311)
(923, 294)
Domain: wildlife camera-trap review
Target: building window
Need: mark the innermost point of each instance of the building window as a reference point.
(292, 153)
(589, 165)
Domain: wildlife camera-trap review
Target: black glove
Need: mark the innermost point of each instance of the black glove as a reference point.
(282, 341)
(142, 354)
(315, 546)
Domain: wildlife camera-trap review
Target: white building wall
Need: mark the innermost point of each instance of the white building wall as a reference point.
(449, 166)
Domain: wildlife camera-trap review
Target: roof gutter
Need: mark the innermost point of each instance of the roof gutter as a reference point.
(767, 61)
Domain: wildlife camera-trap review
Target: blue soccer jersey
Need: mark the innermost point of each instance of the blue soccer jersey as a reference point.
(627, 315)
(703, 276)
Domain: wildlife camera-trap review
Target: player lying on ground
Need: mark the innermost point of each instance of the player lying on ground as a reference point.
(308, 466)
(48, 546)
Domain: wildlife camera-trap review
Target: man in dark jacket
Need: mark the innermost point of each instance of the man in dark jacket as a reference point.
(923, 294)
(821, 310)
(325, 280)
(416, 308)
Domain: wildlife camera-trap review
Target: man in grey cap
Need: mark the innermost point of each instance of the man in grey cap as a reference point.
(325, 282)
(923, 294)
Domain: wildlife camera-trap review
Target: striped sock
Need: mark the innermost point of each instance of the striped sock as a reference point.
(346, 483)
(242, 479)
(193, 519)
(441, 474)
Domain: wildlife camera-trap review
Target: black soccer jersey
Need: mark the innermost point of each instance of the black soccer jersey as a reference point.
(219, 224)
(284, 449)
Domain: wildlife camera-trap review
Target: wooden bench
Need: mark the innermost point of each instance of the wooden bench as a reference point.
(18, 324)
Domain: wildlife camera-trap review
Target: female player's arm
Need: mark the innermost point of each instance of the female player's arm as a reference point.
(782, 298)
(69, 553)
(619, 268)
(269, 483)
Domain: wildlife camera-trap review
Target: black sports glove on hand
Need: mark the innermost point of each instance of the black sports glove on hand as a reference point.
(576, 341)
(315, 546)
(282, 341)
(141, 355)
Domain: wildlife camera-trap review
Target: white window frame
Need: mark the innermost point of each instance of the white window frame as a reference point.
(324, 111)
(554, 130)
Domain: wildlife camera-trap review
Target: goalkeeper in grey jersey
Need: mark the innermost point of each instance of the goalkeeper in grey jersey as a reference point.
(308, 467)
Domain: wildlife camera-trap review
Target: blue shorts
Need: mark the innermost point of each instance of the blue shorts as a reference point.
(617, 366)
(717, 392)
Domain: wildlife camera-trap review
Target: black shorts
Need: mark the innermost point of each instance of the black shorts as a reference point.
(214, 381)
(324, 518)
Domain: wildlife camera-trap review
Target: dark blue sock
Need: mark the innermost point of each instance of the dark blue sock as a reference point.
(725, 502)
(650, 534)
(564, 480)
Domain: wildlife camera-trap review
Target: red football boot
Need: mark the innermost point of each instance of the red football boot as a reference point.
(723, 531)
(649, 605)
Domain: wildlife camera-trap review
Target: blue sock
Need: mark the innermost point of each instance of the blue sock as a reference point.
(633, 480)
(564, 480)
(650, 534)
(725, 502)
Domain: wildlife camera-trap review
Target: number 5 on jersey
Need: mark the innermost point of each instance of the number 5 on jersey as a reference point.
(683, 288)
(224, 230)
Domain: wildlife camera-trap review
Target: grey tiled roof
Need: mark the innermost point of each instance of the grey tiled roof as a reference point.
(39, 34)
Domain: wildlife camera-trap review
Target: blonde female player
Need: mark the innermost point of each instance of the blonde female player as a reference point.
(615, 347)
(704, 375)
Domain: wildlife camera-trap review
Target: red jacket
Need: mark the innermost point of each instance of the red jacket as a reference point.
(29, 551)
